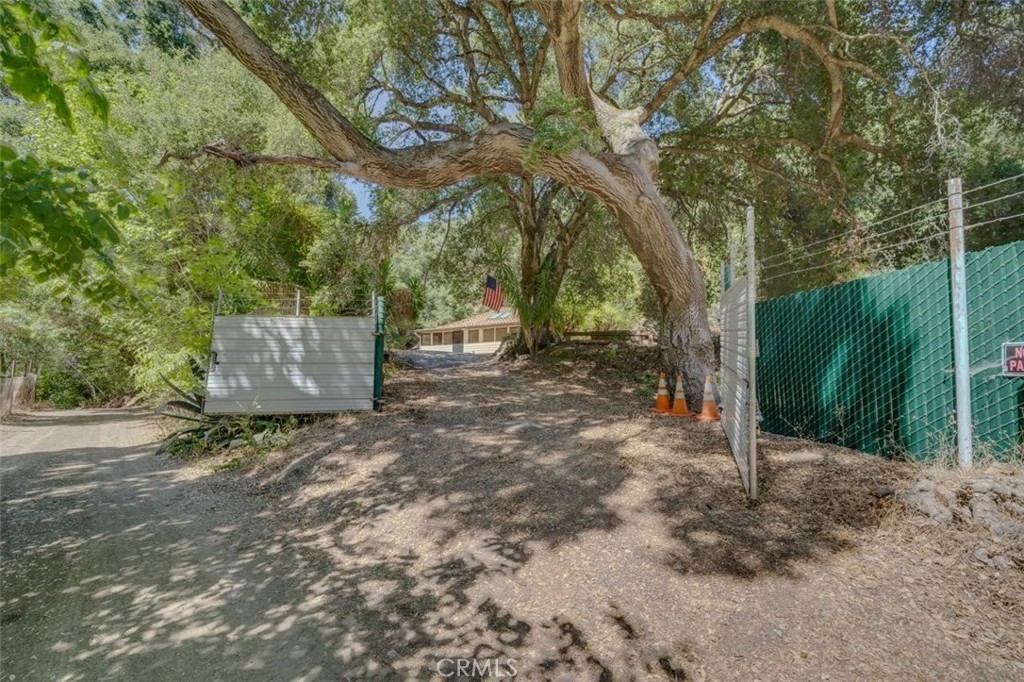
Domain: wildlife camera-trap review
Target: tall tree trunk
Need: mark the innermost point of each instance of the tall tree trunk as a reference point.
(676, 277)
(537, 216)
(637, 205)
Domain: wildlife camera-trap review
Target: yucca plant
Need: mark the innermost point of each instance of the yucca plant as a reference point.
(533, 310)
(207, 433)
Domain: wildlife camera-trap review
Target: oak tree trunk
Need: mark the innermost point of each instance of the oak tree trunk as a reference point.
(676, 277)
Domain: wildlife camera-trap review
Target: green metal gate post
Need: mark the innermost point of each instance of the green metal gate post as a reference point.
(378, 352)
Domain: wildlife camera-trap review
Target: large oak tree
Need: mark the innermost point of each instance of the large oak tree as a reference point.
(589, 95)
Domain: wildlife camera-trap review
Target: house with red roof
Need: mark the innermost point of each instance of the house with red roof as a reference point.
(481, 333)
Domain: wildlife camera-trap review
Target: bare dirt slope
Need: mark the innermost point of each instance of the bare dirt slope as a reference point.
(543, 513)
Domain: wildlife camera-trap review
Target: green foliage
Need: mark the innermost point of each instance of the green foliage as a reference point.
(535, 307)
(61, 389)
(417, 294)
(82, 350)
(41, 59)
(188, 238)
(560, 125)
(206, 435)
(52, 219)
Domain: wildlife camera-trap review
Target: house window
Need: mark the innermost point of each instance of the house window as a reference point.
(474, 336)
(424, 339)
(447, 338)
(488, 335)
(437, 339)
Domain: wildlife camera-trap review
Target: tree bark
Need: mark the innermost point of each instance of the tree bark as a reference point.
(645, 221)
(624, 180)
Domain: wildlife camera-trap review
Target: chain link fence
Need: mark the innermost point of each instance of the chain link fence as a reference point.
(995, 285)
(869, 364)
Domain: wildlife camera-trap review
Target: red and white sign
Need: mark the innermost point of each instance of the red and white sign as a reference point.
(1013, 359)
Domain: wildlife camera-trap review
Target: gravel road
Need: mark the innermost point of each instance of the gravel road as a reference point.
(117, 564)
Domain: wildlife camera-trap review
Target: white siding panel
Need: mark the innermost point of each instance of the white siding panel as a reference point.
(297, 383)
(248, 395)
(297, 356)
(287, 406)
(323, 335)
(736, 401)
(307, 345)
(264, 374)
(290, 365)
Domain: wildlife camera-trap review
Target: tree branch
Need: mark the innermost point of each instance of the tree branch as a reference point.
(338, 136)
(561, 17)
(834, 64)
(222, 150)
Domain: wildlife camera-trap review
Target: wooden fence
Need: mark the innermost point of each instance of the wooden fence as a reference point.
(17, 391)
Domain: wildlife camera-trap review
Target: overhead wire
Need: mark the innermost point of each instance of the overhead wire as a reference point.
(805, 256)
(909, 242)
(992, 201)
(866, 226)
(994, 220)
(768, 264)
(992, 184)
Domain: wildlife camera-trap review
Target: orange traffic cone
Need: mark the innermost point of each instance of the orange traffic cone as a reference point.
(709, 412)
(661, 402)
(679, 407)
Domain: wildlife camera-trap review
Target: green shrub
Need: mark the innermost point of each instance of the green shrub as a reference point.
(63, 390)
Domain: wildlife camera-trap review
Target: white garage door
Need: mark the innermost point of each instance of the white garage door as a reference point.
(290, 365)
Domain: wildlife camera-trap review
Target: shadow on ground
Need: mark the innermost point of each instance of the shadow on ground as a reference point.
(539, 518)
(498, 515)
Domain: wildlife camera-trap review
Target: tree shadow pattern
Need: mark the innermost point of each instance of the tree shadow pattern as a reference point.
(542, 515)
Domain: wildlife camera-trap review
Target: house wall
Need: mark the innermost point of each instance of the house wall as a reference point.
(475, 348)
(479, 347)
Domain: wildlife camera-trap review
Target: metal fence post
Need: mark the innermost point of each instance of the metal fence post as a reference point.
(961, 350)
(378, 351)
(752, 352)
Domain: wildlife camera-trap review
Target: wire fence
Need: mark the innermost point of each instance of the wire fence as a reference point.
(869, 363)
(277, 299)
(17, 390)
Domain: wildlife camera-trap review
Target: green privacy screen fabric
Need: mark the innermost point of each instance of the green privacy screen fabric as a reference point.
(869, 364)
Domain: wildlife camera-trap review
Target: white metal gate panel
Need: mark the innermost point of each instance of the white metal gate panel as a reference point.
(290, 365)
(736, 369)
(739, 362)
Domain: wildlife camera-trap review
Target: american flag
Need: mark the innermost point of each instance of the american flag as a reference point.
(494, 297)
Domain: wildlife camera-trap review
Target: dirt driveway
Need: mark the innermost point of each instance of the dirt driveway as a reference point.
(542, 513)
(538, 513)
(433, 360)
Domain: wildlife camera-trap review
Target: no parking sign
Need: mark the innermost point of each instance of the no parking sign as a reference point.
(1013, 359)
